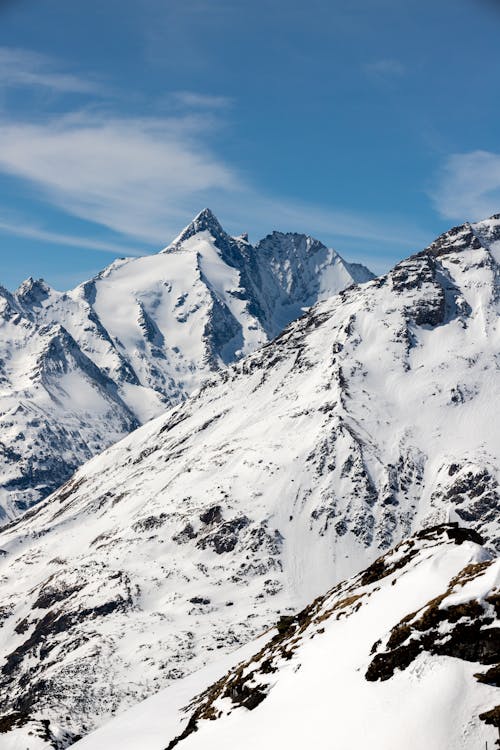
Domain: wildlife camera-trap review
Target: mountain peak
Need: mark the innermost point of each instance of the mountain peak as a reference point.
(204, 221)
(206, 215)
(32, 291)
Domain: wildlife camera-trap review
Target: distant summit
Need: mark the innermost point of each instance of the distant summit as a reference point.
(32, 292)
(119, 349)
(205, 221)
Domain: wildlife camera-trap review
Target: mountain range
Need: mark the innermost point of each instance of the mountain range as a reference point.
(286, 473)
(81, 369)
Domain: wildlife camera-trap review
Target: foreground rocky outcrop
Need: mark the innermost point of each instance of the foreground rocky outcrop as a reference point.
(406, 653)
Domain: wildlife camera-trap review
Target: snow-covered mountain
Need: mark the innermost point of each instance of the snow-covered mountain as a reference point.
(405, 655)
(57, 408)
(80, 369)
(291, 470)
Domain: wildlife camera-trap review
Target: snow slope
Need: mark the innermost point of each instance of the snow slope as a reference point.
(137, 338)
(292, 469)
(314, 679)
(57, 408)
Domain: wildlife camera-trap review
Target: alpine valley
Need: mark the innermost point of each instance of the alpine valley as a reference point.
(304, 550)
(81, 369)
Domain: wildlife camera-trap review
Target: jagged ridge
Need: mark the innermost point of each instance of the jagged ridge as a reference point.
(137, 338)
(286, 472)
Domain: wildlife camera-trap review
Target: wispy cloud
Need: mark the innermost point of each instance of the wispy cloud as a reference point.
(68, 240)
(262, 212)
(20, 67)
(144, 177)
(134, 176)
(385, 68)
(468, 185)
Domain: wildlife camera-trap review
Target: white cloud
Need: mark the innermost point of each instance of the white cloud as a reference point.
(468, 185)
(20, 67)
(144, 177)
(68, 240)
(134, 176)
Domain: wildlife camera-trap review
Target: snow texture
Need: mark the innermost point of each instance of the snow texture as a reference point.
(81, 369)
(370, 417)
(306, 683)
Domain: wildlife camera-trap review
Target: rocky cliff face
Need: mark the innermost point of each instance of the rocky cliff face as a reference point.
(290, 470)
(335, 690)
(80, 369)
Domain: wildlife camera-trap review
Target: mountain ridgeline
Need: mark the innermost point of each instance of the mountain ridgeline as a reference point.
(290, 470)
(81, 369)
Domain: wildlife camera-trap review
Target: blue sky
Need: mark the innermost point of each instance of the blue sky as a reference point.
(372, 124)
